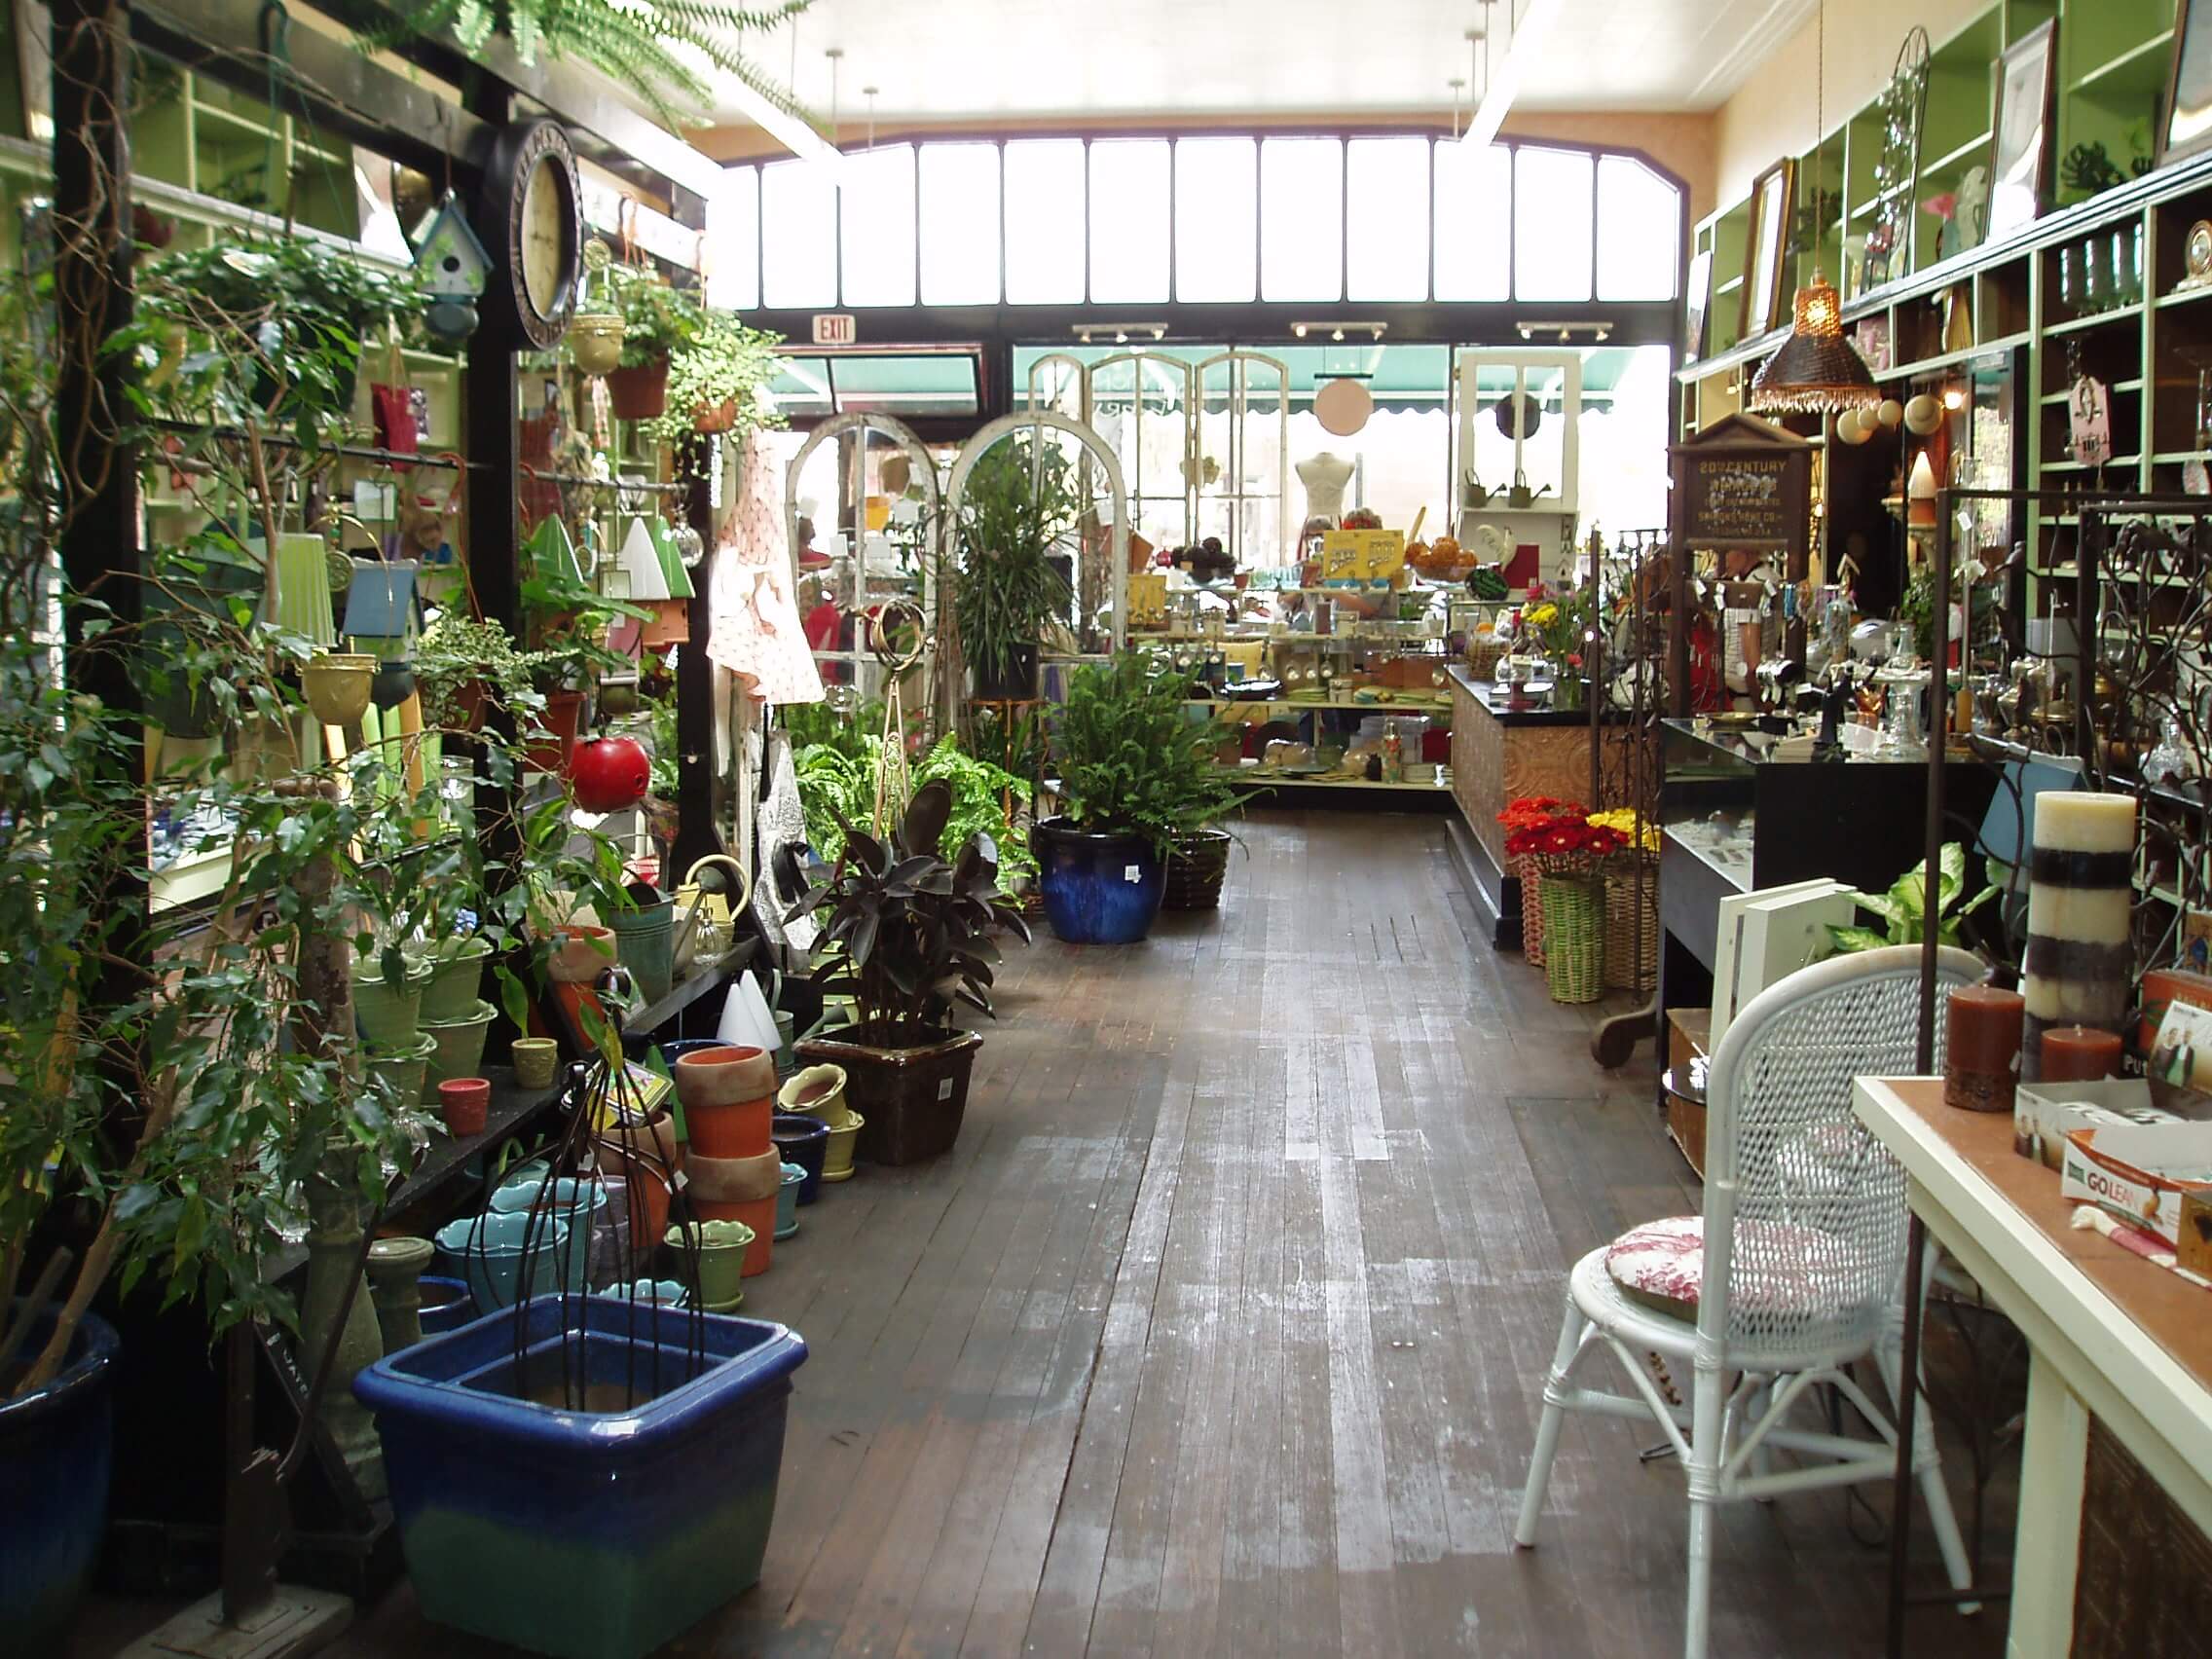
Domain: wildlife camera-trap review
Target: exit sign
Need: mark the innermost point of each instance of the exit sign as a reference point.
(835, 328)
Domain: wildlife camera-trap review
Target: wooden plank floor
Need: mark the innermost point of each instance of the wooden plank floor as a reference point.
(1222, 1329)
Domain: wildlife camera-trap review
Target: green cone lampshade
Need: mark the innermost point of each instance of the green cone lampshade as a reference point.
(1817, 371)
(301, 590)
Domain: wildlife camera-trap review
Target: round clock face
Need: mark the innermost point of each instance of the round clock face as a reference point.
(2198, 253)
(534, 209)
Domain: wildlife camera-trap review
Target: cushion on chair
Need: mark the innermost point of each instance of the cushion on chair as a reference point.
(1661, 1264)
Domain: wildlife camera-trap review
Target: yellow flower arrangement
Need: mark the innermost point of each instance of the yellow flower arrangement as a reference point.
(1542, 617)
(1622, 821)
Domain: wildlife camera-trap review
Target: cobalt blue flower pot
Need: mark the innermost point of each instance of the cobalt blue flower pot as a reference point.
(802, 1140)
(1100, 886)
(591, 1484)
(56, 1453)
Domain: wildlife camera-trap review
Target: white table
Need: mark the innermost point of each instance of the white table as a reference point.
(2109, 1334)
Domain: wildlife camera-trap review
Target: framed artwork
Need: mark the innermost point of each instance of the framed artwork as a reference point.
(1768, 235)
(1698, 297)
(2019, 157)
(2189, 85)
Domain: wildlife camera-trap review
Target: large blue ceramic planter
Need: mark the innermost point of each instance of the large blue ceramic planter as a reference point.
(1098, 888)
(56, 1453)
(593, 1533)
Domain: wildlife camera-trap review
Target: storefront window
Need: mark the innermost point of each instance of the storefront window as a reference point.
(1386, 219)
(1216, 219)
(1639, 231)
(1301, 219)
(733, 241)
(959, 224)
(798, 247)
(1474, 201)
(876, 218)
(1129, 221)
(1552, 202)
(1045, 222)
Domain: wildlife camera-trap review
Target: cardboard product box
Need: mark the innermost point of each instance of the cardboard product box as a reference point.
(2044, 1114)
(2140, 1172)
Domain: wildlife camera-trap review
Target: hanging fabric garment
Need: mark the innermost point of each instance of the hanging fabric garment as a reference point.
(755, 630)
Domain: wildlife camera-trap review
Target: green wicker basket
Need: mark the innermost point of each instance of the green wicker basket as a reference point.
(1196, 865)
(1575, 938)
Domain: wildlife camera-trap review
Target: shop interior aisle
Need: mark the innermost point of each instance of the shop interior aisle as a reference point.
(1222, 1328)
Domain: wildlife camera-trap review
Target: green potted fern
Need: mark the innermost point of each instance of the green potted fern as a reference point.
(1136, 776)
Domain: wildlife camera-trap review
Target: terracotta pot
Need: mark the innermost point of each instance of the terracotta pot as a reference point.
(595, 341)
(465, 1101)
(580, 954)
(733, 1180)
(639, 393)
(564, 710)
(651, 1146)
(337, 684)
(638, 1202)
(719, 419)
(469, 705)
(728, 1096)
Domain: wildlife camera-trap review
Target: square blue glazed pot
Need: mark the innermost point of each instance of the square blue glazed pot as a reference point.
(594, 1533)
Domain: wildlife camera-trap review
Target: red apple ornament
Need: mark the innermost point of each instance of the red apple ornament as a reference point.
(610, 773)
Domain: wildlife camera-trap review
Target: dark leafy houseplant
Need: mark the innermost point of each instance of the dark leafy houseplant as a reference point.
(1131, 756)
(1020, 507)
(908, 934)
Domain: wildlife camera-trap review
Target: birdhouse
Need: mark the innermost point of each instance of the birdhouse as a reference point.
(455, 270)
(672, 570)
(381, 607)
(641, 559)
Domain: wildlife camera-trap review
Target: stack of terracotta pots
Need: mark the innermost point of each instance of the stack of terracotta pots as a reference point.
(638, 1164)
(734, 1169)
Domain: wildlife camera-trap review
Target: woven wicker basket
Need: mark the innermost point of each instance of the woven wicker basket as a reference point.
(1196, 865)
(1575, 938)
(1531, 877)
(1626, 968)
(1482, 654)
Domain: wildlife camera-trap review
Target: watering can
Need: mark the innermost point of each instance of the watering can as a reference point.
(1521, 497)
(1473, 497)
(704, 912)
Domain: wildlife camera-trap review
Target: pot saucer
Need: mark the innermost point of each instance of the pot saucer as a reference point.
(729, 1307)
(845, 1175)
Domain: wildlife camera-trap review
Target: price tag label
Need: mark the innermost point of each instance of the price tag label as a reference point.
(1131, 873)
(944, 1088)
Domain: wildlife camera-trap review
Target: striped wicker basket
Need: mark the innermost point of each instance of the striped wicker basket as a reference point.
(1531, 876)
(1575, 938)
(1626, 968)
(1196, 865)
(1482, 653)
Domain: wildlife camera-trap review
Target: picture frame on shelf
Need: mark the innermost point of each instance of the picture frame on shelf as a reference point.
(2019, 148)
(2188, 125)
(1766, 236)
(1698, 298)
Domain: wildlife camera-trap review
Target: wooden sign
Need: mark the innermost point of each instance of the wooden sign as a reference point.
(1362, 555)
(1743, 485)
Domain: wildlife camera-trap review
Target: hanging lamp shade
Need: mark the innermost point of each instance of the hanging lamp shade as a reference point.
(1817, 371)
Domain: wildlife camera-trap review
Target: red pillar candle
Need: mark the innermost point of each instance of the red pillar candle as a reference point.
(1982, 1054)
(2079, 1053)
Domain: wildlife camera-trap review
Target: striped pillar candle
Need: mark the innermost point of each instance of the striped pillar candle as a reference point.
(2079, 894)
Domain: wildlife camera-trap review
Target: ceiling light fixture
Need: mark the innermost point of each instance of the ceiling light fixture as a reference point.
(1159, 331)
(1501, 87)
(1121, 337)
(1299, 329)
(1816, 371)
(1954, 398)
(1335, 334)
(1531, 327)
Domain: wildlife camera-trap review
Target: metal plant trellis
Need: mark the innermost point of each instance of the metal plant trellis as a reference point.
(1903, 110)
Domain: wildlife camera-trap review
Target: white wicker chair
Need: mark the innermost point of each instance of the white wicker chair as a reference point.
(1804, 1230)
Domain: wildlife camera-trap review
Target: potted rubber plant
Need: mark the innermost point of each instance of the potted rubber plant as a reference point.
(658, 321)
(1017, 517)
(907, 934)
(1136, 774)
(717, 380)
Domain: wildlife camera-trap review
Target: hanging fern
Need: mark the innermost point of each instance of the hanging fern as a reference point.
(653, 46)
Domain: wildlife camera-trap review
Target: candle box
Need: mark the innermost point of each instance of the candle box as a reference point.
(2044, 1114)
(2139, 1171)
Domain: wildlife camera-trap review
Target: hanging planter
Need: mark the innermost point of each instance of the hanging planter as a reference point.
(595, 341)
(338, 684)
(639, 393)
(591, 1480)
(716, 419)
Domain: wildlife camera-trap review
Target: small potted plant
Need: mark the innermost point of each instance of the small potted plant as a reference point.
(908, 935)
(461, 666)
(1136, 773)
(715, 381)
(658, 321)
(1017, 516)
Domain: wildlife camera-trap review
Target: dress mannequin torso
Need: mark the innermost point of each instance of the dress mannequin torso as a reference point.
(1324, 476)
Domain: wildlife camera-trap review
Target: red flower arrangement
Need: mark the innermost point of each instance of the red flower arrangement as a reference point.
(1565, 845)
(1532, 812)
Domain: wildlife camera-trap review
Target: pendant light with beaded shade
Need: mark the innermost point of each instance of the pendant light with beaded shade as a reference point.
(1817, 371)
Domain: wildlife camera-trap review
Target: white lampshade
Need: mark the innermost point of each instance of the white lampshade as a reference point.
(640, 561)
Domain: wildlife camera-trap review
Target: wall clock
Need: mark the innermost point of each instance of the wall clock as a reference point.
(2196, 254)
(532, 221)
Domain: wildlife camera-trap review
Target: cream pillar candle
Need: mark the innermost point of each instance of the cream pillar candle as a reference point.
(2079, 895)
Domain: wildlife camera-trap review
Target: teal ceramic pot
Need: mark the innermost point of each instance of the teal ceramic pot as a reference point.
(598, 1533)
(499, 1257)
(787, 1201)
(581, 1208)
